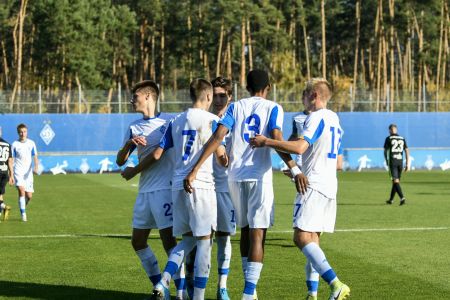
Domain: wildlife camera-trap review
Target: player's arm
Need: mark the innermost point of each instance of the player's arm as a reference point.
(295, 147)
(407, 157)
(10, 168)
(145, 163)
(301, 181)
(128, 148)
(214, 142)
(35, 160)
(221, 156)
(386, 149)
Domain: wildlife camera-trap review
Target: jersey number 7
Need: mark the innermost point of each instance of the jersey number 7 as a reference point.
(191, 138)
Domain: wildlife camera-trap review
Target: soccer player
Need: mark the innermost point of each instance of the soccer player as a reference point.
(6, 174)
(153, 207)
(250, 171)
(394, 145)
(194, 215)
(315, 211)
(24, 154)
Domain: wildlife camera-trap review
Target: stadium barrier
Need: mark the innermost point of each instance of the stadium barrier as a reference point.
(89, 142)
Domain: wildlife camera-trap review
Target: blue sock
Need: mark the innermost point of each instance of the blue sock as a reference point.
(319, 262)
(251, 277)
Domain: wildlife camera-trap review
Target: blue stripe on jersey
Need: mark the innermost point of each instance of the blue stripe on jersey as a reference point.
(340, 150)
(32, 152)
(167, 140)
(294, 128)
(317, 133)
(273, 119)
(228, 120)
(15, 153)
(214, 128)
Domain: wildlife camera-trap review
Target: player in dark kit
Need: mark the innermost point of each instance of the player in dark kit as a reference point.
(5, 174)
(394, 146)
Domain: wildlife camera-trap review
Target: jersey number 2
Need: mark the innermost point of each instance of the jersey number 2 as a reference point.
(333, 152)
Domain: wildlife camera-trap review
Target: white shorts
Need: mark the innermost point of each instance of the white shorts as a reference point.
(26, 181)
(226, 218)
(153, 210)
(253, 203)
(196, 212)
(313, 212)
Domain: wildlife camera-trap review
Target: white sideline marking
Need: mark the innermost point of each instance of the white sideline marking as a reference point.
(93, 235)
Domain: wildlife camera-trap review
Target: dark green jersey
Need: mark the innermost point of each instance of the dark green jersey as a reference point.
(394, 146)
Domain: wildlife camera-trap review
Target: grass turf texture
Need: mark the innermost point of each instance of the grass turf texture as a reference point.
(96, 260)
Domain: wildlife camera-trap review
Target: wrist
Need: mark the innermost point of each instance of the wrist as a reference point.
(295, 171)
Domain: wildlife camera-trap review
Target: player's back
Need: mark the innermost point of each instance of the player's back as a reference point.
(5, 154)
(152, 129)
(395, 145)
(245, 119)
(190, 131)
(323, 132)
(23, 153)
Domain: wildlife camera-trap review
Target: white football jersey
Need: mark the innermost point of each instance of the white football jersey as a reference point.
(244, 119)
(298, 121)
(152, 179)
(187, 133)
(324, 134)
(23, 153)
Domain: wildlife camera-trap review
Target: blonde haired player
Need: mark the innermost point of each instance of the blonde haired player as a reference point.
(315, 211)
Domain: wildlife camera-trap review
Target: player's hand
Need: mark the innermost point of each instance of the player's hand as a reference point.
(258, 141)
(11, 180)
(138, 140)
(188, 181)
(128, 173)
(288, 173)
(301, 183)
(35, 170)
(406, 168)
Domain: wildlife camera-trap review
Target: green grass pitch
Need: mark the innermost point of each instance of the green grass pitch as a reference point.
(76, 244)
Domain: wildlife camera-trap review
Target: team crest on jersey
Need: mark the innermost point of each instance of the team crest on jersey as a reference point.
(47, 134)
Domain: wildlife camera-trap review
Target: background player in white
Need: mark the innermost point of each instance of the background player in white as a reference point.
(25, 160)
(6, 174)
(153, 207)
(194, 215)
(250, 171)
(315, 211)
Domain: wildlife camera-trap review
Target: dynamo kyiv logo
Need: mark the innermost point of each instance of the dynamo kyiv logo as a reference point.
(47, 134)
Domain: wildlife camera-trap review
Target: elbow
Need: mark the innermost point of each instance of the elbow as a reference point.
(157, 155)
(120, 162)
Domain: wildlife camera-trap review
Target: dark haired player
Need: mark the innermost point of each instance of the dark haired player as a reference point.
(6, 174)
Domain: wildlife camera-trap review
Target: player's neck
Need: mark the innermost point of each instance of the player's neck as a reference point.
(22, 140)
(200, 105)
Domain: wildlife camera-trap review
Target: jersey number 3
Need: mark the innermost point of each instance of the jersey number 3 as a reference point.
(251, 125)
(335, 139)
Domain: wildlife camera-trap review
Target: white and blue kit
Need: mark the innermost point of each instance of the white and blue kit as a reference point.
(316, 210)
(250, 170)
(187, 133)
(226, 220)
(298, 121)
(153, 207)
(23, 153)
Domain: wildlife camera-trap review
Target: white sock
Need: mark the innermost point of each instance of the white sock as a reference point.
(251, 278)
(202, 268)
(22, 204)
(176, 257)
(244, 264)
(223, 259)
(312, 279)
(179, 280)
(319, 262)
(150, 264)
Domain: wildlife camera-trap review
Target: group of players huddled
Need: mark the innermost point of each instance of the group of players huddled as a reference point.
(204, 173)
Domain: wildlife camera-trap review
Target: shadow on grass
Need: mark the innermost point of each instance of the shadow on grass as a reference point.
(383, 203)
(50, 291)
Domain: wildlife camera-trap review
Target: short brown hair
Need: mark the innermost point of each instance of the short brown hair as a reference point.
(20, 126)
(198, 87)
(224, 83)
(147, 86)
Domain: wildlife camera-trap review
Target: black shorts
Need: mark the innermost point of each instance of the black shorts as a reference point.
(4, 177)
(396, 170)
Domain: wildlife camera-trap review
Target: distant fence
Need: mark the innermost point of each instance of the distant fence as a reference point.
(89, 142)
(117, 101)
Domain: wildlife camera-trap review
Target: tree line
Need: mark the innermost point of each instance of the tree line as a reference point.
(390, 48)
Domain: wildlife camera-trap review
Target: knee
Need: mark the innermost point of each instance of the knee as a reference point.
(138, 244)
